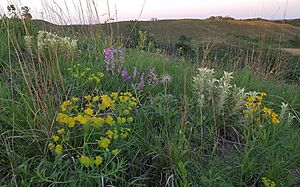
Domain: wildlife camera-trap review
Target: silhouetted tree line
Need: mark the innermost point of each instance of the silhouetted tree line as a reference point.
(219, 18)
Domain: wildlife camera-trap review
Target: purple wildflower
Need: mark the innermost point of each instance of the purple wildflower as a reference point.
(114, 59)
(125, 75)
(109, 59)
(141, 84)
(153, 78)
(108, 52)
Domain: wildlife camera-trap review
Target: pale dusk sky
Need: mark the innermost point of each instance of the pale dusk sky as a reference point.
(161, 9)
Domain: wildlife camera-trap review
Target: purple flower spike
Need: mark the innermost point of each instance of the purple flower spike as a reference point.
(125, 75)
(109, 59)
(153, 78)
(108, 52)
(141, 84)
(114, 59)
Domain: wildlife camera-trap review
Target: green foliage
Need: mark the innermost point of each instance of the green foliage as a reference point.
(185, 46)
(295, 42)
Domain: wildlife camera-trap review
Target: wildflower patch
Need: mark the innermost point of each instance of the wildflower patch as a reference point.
(92, 128)
(256, 111)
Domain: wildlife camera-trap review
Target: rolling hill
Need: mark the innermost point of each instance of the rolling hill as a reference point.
(232, 31)
(167, 32)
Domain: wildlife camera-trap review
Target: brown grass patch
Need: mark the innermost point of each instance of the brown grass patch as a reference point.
(294, 51)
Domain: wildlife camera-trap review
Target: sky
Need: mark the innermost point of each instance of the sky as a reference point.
(70, 13)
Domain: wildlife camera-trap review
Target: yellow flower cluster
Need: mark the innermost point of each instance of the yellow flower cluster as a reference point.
(56, 144)
(253, 103)
(269, 113)
(89, 161)
(267, 182)
(104, 117)
(254, 106)
(86, 74)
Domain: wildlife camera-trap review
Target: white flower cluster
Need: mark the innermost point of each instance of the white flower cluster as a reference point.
(204, 83)
(224, 88)
(212, 91)
(50, 40)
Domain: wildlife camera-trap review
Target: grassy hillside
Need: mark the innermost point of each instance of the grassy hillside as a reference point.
(235, 32)
(231, 31)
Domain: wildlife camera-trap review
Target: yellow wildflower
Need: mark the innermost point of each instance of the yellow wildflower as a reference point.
(97, 79)
(132, 104)
(61, 117)
(115, 152)
(126, 112)
(123, 99)
(86, 161)
(104, 143)
(59, 149)
(65, 105)
(109, 133)
(98, 160)
(88, 97)
(127, 94)
(116, 135)
(100, 74)
(98, 121)
(82, 119)
(267, 111)
(61, 131)
(274, 118)
(274, 115)
(55, 138)
(259, 98)
(51, 145)
(121, 120)
(250, 99)
(109, 120)
(89, 111)
(114, 95)
(96, 98)
(268, 183)
(70, 122)
(106, 101)
(74, 99)
(130, 119)
(263, 94)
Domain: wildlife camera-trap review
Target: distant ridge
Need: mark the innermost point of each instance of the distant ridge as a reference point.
(221, 29)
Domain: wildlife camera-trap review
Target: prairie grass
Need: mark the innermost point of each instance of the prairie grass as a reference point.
(188, 127)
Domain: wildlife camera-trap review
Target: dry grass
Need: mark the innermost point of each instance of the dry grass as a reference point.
(293, 51)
